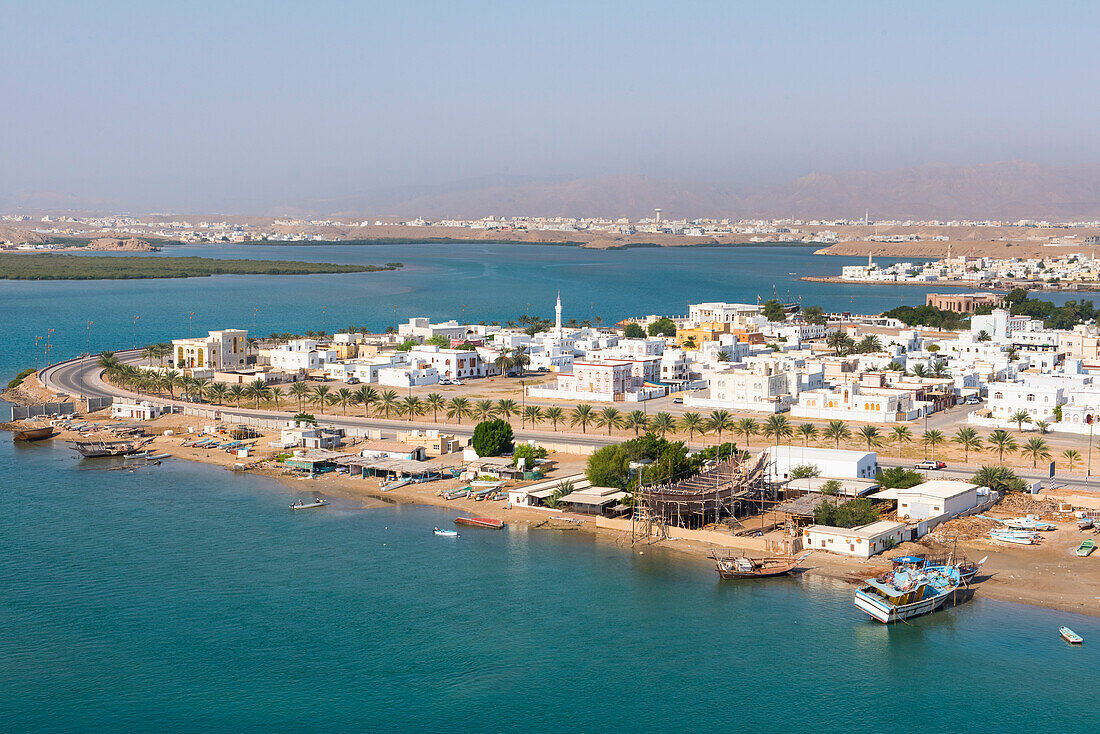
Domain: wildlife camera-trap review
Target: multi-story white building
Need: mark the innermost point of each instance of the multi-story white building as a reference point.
(1037, 400)
(737, 314)
(411, 375)
(218, 350)
(300, 355)
(451, 364)
(852, 401)
(607, 381)
(421, 329)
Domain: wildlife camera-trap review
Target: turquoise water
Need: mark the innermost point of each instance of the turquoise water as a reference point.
(480, 282)
(185, 598)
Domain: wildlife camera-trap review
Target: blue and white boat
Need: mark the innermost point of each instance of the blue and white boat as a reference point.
(907, 592)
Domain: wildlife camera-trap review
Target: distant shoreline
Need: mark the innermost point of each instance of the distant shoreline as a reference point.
(57, 266)
(1080, 287)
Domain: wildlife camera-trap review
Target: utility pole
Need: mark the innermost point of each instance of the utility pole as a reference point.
(36, 340)
(190, 326)
(87, 352)
(135, 330)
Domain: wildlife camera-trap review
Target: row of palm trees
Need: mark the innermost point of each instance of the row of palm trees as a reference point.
(388, 404)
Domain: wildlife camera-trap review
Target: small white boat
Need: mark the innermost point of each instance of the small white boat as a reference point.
(299, 505)
(446, 533)
(1021, 539)
(485, 484)
(1070, 636)
(1028, 523)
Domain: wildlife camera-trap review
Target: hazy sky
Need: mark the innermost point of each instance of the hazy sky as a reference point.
(234, 106)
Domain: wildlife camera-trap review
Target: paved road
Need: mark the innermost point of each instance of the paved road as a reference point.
(964, 472)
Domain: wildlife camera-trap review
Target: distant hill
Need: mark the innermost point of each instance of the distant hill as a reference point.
(1002, 190)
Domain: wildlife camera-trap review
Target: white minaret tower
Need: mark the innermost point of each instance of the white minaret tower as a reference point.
(557, 317)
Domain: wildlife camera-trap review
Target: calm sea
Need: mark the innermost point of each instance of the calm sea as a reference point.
(185, 598)
(478, 282)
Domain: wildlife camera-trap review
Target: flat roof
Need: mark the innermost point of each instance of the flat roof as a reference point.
(788, 452)
(940, 488)
(879, 527)
(848, 487)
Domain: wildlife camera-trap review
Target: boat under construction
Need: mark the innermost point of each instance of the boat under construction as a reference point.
(33, 433)
(730, 488)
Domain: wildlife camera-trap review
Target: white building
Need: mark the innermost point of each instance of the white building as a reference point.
(218, 350)
(411, 375)
(452, 364)
(862, 542)
(607, 381)
(936, 498)
(1037, 400)
(829, 462)
(852, 401)
(300, 355)
(764, 389)
(138, 411)
(421, 329)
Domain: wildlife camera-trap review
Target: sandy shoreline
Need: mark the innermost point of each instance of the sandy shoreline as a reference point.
(1049, 575)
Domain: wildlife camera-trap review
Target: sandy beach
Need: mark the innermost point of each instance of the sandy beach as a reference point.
(1048, 575)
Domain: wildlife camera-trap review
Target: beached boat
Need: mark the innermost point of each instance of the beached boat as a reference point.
(480, 522)
(1070, 636)
(967, 569)
(486, 484)
(907, 592)
(732, 566)
(32, 433)
(446, 533)
(1017, 538)
(1086, 547)
(96, 449)
(1084, 523)
(299, 505)
(455, 494)
(1028, 523)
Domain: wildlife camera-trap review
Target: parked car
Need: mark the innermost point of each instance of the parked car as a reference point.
(929, 464)
(351, 380)
(678, 401)
(973, 400)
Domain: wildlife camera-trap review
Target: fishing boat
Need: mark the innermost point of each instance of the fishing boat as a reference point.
(1086, 547)
(480, 522)
(455, 494)
(1028, 523)
(486, 484)
(907, 592)
(446, 533)
(967, 569)
(299, 505)
(1008, 537)
(1070, 636)
(33, 433)
(731, 566)
(97, 449)
(1084, 523)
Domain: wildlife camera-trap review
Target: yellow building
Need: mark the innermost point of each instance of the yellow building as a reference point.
(219, 350)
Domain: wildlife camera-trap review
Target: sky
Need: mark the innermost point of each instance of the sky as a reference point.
(245, 107)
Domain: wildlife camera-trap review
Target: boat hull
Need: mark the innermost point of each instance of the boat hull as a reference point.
(480, 522)
(33, 434)
(880, 611)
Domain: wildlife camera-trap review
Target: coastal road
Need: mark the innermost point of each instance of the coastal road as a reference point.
(964, 472)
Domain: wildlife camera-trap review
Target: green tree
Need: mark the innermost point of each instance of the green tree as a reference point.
(662, 327)
(459, 408)
(555, 415)
(364, 396)
(492, 438)
(299, 391)
(609, 418)
(804, 471)
(218, 392)
(389, 403)
(633, 331)
(412, 406)
(582, 416)
(898, 477)
(532, 414)
(813, 315)
(529, 453)
(720, 421)
(344, 396)
(869, 344)
(901, 435)
(693, 423)
(435, 403)
(319, 396)
(773, 310)
(636, 420)
(808, 431)
(777, 427)
(275, 393)
(609, 467)
(663, 423)
(485, 410)
(1071, 455)
(850, 514)
(439, 340)
(747, 427)
(932, 438)
(1003, 442)
(998, 479)
(507, 408)
(1037, 448)
(969, 440)
(237, 393)
(870, 435)
(1020, 417)
(837, 431)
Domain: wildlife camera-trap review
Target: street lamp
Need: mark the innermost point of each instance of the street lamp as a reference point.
(190, 321)
(87, 352)
(135, 330)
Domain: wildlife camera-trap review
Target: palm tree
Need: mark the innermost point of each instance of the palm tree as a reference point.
(364, 396)
(939, 368)
(919, 370)
(609, 418)
(983, 336)
(555, 415)
(320, 396)
(970, 441)
(412, 406)
(901, 435)
(532, 414)
(1071, 455)
(387, 402)
(1042, 427)
(693, 423)
(663, 423)
(149, 353)
(520, 358)
(869, 344)
(747, 427)
(582, 416)
(808, 431)
(777, 427)
(1004, 442)
(871, 435)
(217, 392)
(636, 419)
(107, 360)
(507, 408)
(1020, 417)
(932, 438)
(485, 410)
(170, 379)
(1037, 448)
(837, 431)
(504, 362)
(344, 395)
(299, 390)
(459, 408)
(435, 403)
(275, 393)
(256, 390)
(236, 392)
(718, 421)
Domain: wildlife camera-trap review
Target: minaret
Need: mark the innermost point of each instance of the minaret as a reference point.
(557, 317)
